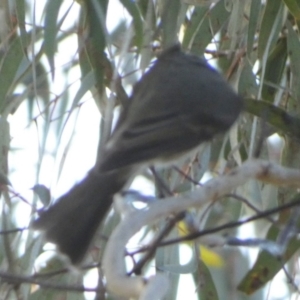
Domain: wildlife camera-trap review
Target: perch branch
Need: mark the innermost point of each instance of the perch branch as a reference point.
(155, 287)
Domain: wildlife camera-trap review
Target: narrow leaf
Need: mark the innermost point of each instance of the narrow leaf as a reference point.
(209, 27)
(270, 15)
(267, 265)
(133, 10)
(169, 22)
(253, 24)
(274, 71)
(294, 7)
(204, 280)
(51, 29)
(20, 14)
(293, 45)
(275, 116)
(8, 69)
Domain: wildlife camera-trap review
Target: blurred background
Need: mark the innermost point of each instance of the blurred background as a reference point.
(66, 68)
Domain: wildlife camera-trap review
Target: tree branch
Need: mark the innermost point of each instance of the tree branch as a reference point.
(156, 286)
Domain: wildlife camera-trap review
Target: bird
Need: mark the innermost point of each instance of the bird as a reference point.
(179, 103)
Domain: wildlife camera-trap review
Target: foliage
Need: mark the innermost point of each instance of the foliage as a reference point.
(58, 57)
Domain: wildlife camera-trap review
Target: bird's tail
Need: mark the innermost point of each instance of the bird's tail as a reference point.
(73, 220)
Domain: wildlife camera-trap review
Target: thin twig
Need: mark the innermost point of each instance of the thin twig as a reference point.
(261, 215)
(152, 248)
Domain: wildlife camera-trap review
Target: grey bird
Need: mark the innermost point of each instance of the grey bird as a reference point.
(178, 104)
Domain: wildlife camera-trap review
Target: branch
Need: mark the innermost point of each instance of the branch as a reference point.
(156, 286)
(18, 279)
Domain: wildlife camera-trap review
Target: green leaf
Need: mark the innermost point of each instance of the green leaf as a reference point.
(253, 24)
(275, 116)
(294, 7)
(208, 27)
(204, 280)
(8, 69)
(274, 70)
(247, 82)
(20, 14)
(86, 84)
(169, 22)
(267, 265)
(188, 268)
(96, 42)
(38, 86)
(169, 256)
(193, 26)
(43, 193)
(4, 147)
(273, 8)
(51, 29)
(84, 62)
(234, 28)
(293, 46)
(133, 10)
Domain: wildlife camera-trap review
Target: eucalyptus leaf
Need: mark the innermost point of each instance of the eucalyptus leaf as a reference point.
(293, 46)
(9, 65)
(271, 13)
(275, 116)
(51, 31)
(267, 265)
(133, 9)
(253, 24)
